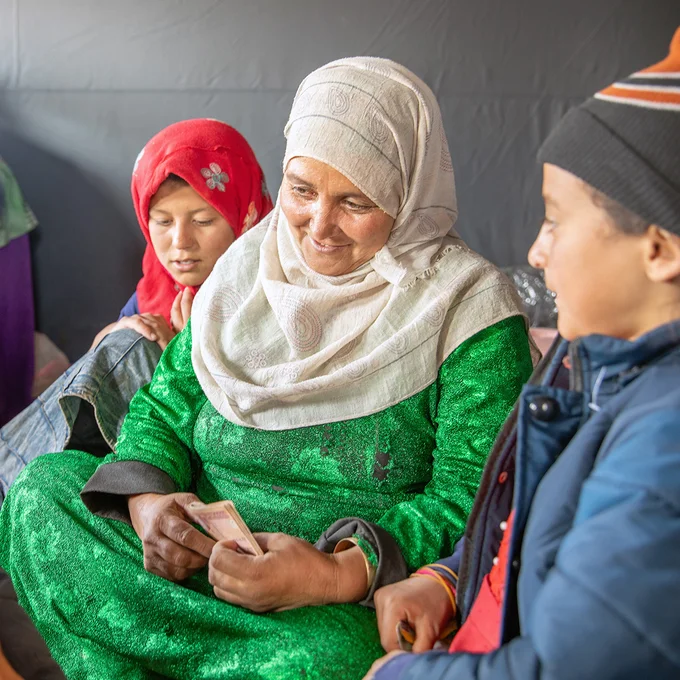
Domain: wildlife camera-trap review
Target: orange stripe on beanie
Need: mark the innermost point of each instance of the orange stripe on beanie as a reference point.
(657, 86)
(643, 97)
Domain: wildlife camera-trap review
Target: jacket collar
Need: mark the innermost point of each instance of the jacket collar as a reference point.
(602, 365)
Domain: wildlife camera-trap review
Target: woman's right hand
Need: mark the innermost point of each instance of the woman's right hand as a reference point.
(422, 602)
(153, 327)
(173, 548)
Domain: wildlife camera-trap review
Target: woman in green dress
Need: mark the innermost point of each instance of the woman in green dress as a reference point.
(346, 368)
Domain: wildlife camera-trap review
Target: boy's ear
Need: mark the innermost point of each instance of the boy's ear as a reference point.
(662, 255)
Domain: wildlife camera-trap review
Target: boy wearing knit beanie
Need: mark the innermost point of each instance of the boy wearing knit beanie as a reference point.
(611, 186)
(570, 563)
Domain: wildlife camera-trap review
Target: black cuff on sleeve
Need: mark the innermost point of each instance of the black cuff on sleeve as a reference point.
(106, 492)
(391, 564)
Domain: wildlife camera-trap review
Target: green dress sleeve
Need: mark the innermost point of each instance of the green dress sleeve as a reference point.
(477, 387)
(159, 427)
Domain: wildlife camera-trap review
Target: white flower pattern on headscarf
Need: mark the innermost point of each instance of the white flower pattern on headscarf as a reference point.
(256, 359)
(215, 178)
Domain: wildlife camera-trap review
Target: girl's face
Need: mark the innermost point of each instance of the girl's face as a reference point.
(337, 227)
(596, 271)
(187, 233)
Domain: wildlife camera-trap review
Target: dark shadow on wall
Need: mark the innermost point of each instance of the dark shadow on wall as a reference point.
(85, 264)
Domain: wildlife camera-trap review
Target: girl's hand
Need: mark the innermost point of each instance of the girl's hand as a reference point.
(181, 309)
(153, 327)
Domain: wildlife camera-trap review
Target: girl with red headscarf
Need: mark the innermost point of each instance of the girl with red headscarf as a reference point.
(196, 187)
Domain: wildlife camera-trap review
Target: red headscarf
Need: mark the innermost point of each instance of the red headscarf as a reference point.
(220, 166)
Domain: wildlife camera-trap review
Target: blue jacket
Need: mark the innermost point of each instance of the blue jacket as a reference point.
(593, 581)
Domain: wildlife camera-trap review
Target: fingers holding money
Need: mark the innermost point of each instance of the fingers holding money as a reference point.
(176, 550)
(177, 532)
(173, 548)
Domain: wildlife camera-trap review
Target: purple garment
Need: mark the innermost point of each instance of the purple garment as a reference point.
(16, 328)
(131, 307)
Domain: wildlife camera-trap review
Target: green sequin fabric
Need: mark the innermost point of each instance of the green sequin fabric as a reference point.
(413, 468)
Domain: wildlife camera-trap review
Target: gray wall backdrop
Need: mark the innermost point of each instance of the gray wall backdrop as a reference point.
(85, 83)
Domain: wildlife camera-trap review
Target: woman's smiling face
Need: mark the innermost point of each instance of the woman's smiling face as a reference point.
(337, 227)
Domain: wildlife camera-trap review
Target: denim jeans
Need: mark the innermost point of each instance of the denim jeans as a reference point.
(84, 409)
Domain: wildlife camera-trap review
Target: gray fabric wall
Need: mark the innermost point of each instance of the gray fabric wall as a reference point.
(85, 83)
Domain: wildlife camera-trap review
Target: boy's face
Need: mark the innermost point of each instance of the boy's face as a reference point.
(595, 270)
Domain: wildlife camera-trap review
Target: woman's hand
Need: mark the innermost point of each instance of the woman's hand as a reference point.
(153, 327)
(173, 548)
(422, 602)
(181, 309)
(292, 573)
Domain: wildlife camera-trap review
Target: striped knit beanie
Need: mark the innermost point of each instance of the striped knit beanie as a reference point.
(625, 142)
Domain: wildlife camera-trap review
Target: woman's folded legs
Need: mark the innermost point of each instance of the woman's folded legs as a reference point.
(97, 607)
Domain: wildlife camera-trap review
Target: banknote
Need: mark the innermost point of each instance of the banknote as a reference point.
(222, 521)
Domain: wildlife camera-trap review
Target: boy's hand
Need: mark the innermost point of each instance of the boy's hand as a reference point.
(422, 602)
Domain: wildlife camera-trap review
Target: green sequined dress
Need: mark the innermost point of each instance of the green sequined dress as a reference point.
(412, 468)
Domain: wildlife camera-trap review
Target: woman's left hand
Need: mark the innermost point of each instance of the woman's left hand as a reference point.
(292, 573)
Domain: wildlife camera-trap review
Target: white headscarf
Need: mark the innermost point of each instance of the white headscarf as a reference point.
(278, 346)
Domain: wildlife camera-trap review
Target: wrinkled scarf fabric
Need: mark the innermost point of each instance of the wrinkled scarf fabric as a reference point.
(279, 346)
(220, 166)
